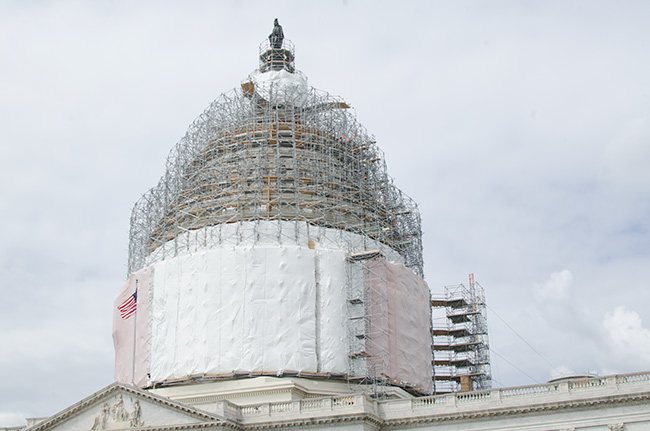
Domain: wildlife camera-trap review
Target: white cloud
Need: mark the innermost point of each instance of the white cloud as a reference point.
(627, 339)
(555, 288)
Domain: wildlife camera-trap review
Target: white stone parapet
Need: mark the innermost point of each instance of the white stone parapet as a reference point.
(618, 402)
(597, 399)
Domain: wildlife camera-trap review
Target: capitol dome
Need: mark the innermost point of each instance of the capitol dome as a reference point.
(276, 243)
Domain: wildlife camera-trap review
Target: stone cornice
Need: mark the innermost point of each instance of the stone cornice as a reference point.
(366, 418)
(183, 427)
(198, 399)
(520, 410)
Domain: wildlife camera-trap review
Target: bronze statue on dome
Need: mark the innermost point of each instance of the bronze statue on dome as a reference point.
(277, 35)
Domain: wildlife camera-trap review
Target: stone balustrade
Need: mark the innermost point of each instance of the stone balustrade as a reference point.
(362, 404)
(617, 402)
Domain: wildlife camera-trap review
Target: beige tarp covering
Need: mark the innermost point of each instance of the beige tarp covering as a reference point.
(408, 345)
(123, 331)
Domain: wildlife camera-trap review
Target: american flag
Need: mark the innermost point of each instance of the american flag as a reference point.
(128, 307)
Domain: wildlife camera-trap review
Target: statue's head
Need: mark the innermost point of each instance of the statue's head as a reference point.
(275, 22)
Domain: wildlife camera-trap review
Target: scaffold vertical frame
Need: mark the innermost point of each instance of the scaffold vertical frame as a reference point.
(461, 345)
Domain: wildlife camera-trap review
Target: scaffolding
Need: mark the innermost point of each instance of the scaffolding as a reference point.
(275, 153)
(461, 346)
(367, 313)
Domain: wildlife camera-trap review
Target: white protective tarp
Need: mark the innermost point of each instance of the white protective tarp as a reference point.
(281, 86)
(244, 308)
(267, 233)
(266, 297)
(332, 312)
(131, 359)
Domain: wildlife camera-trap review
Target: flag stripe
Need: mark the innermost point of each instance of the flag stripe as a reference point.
(129, 306)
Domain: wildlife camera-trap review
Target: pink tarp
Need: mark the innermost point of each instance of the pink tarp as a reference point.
(131, 364)
(400, 342)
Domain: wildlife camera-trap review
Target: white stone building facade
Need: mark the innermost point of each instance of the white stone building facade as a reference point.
(612, 403)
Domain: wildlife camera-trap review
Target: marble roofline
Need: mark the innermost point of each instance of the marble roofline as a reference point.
(572, 404)
(565, 395)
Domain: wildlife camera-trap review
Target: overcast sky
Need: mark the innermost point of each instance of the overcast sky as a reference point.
(522, 128)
